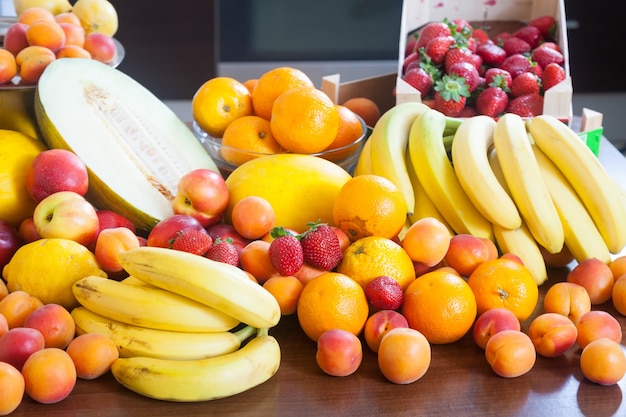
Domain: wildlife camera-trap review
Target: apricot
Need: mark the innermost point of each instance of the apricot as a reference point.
(596, 277)
(427, 241)
(404, 355)
(618, 295)
(493, 249)
(557, 260)
(74, 34)
(100, 46)
(92, 355)
(4, 291)
(339, 352)
(465, 253)
(253, 217)
(618, 267)
(49, 375)
(11, 388)
(603, 362)
(46, 33)
(491, 322)
(510, 353)
(17, 305)
(255, 259)
(597, 324)
(32, 68)
(552, 334)
(110, 243)
(379, 324)
(344, 240)
(568, 299)
(286, 290)
(55, 324)
(307, 272)
(73, 51)
(4, 325)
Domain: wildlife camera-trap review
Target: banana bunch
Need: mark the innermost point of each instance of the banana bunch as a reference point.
(187, 328)
(525, 184)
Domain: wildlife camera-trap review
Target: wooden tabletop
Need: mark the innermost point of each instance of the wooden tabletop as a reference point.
(458, 383)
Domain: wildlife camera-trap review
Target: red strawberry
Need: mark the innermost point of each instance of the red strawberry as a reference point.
(530, 105)
(546, 25)
(192, 241)
(285, 252)
(467, 71)
(437, 48)
(552, 75)
(430, 31)
(451, 93)
(419, 79)
(223, 251)
(544, 56)
(516, 64)
(514, 45)
(492, 101)
(531, 34)
(409, 59)
(410, 44)
(500, 37)
(459, 54)
(480, 35)
(321, 247)
(525, 83)
(384, 293)
(535, 69)
(497, 77)
(551, 45)
(492, 54)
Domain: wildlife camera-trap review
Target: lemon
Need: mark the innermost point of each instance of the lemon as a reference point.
(54, 6)
(47, 269)
(97, 16)
(17, 152)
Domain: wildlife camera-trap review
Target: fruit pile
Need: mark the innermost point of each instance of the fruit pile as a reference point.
(43, 34)
(461, 71)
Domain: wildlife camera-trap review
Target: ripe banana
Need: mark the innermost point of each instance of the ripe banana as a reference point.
(389, 143)
(203, 379)
(583, 170)
(525, 182)
(436, 174)
(216, 284)
(521, 242)
(472, 141)
(364, 163)
(163, 344)
(145, 306)
(582, 237)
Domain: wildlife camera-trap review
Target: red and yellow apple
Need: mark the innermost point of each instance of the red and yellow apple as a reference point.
(164, 232)
(55, 170)
(203, 194)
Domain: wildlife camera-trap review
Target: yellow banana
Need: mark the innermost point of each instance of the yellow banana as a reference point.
(436, 174)
(164, 344)
(472, 141)
(221, 286)
(525, 182)
(520, 242)
(388, 146)
(204, 379)
(586, 174)
(364, 163)
(150, 307)
(582, 237)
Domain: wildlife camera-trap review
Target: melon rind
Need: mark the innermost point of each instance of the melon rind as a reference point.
(135, 147)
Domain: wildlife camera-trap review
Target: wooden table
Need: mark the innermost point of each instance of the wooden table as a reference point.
(458, 383)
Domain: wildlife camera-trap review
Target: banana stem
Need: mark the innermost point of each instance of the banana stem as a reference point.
(245, 333)
(452, 124)
(263, 331)
(447, 142)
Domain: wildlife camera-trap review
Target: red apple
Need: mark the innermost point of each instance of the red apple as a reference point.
(108, 219)
(28, 231)
(225, 231)
(163, 233)
(10, 241)
(68, 215)
(100, 46)
(18, 344)
(55, 170)
(203, 194)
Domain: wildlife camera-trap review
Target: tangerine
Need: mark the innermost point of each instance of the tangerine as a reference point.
(350, 128)
(248, 137)
(364, 107)
(272, 84)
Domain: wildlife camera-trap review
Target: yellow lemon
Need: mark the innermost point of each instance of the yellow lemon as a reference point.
(97, 16)
(47, 269)
(54, 6)
(17, 152)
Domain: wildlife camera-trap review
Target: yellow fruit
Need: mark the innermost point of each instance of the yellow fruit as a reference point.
(97, 16)
(300, 188)
(47, 269)
(54, 6)
(17, 152)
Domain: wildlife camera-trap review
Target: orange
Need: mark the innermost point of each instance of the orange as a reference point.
(250, 84)
(504, 283)
(248, 133)
(364, 107)
(369, 205)
(350, 128)
(332, 301)
(218, 102)
(374, 256)
(441, 305)
(304, 120)
(272, 84)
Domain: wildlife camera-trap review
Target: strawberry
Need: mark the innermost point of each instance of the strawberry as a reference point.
(516, 64)
(285, 252)
(529, 105)
(514, 45)
(531, 34)
(551, 45)
(553, 74)
(410, 44)
(497, 77)
(480, 35)
(419, 79)
(544, 56)
(410, 59)
(451, 93)
(467, 71)
(437, 48)
(321, 247)
(525, 83)
(384, 293)
(459, 54)
(430, 31)
(223, 250)
(546, 25)
(492, 54)
(492, 101)
(193, 241)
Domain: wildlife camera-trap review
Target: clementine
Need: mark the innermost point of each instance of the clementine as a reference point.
(272, 84)
(364, 107)
(248, 137)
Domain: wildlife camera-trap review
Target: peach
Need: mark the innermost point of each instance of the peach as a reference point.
(92, 355)
(427, 241)
(15, 38)
(595, 325)
(510, 353)
(618, 267)
(596, 277)
(74, 34)
(344, 240)
(568, 299)
(11, 388)
(339, 352)
(110, 243)
(379, 323)
(465, 253)
(255, 259)
(100, 46)
(603, 362)
(4, 325)
(18, 344)
(307, 272)
(491, 322)
(552, 334)
(49, 375)
(17, 305)
(55, 324)
(493, 249)
(404, 355)
(286, 290)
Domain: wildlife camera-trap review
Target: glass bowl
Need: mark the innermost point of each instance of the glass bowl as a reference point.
(346, 156)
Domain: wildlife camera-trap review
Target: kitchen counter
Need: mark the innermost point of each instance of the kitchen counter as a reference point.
(459, 381)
